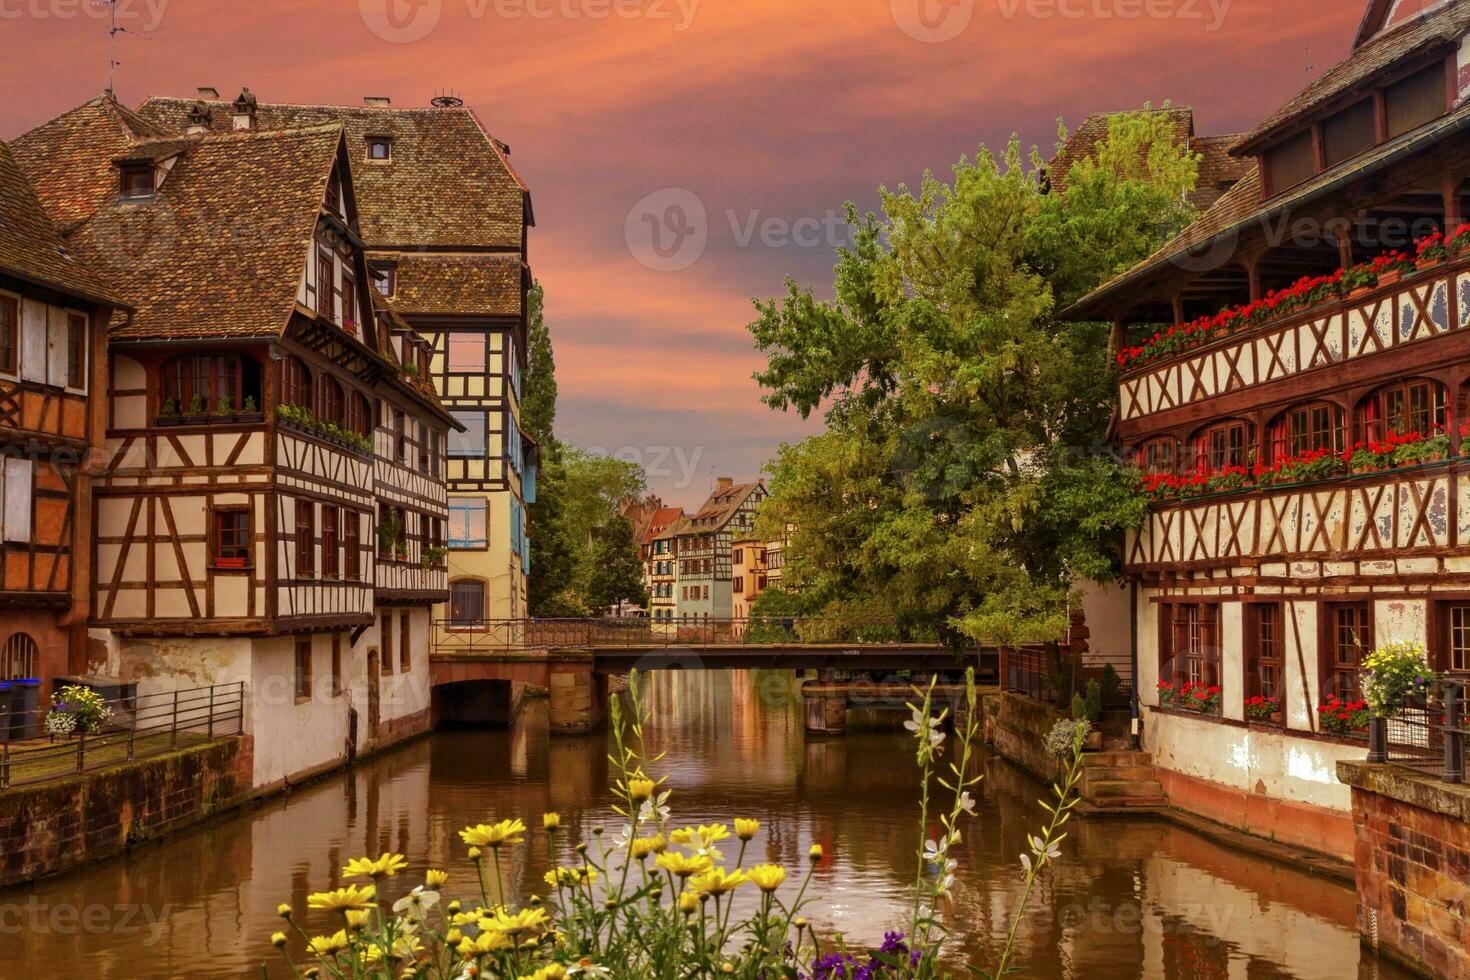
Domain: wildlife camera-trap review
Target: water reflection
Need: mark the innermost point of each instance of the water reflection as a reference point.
(1130, 899)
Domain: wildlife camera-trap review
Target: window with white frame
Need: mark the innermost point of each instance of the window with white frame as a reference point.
(467, 523)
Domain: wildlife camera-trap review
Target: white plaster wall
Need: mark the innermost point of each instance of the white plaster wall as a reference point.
(1400, 621)
(1232, 660)
(1148, 649)
(1106, 610)
(293, 737)
(1276, 765)
(1300, 666)
(401, 694)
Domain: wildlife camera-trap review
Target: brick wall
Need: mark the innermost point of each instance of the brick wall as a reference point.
(1412, 866)
(61, 825)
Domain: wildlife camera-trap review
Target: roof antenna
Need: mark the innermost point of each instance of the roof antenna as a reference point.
(1307, 48)
(112, 32)
(447, 99)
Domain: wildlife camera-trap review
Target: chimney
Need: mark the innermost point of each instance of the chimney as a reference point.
(200, 119)
(243, 116)
(724, 483)
(208, 92)
(381, 101)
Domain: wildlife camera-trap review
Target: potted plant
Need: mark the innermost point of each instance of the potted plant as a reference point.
(225, 407)
(1430, 251)
(250, 407)
(196, 404)
(1459, 239)
(1390, 267)
(433, 557)
(1342, 717)
(1358, 280)
(1201, 698)
(1392, 675)
(1088, 707)
(76, 710)
(1263, 709)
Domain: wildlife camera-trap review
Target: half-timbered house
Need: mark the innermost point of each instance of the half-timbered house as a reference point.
(269, 508)
(445, 218)
(660, 561)
(54, 312)
(703, 544)
(1305, 446)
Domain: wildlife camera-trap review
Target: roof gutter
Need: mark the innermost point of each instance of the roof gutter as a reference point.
(1456, 124)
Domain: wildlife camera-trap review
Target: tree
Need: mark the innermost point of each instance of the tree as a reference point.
(617, 572)
(552, 590)
(538, 392)
(963, 482)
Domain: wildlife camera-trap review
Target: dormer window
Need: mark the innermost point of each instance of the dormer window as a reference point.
(379, 148)
(137, 181)
(1411, 102)
(384, 279)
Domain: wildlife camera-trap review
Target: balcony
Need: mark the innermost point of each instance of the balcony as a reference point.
(1421, 305)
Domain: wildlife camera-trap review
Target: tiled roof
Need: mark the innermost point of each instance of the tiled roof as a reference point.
(69, 159)
(30, 246)
(448, 185)
(218, 252)
(486, 285)
(1241, 206)
(661, 524)
(1441, 24)
(1218, 171)
(720, 507)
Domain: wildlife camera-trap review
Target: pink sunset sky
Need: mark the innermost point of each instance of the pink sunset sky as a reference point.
(764, 114)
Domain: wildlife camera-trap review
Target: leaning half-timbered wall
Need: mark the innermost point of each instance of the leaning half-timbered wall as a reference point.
(420, 495)
(313, 472)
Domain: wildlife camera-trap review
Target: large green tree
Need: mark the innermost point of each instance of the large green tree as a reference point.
(538, 389)
(617, 572)
(963, 482)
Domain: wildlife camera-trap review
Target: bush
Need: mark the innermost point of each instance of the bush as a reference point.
(1088, 707)
(1394, 673)
(77, 709)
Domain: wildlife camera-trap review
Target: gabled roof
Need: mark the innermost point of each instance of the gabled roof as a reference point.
(1382, 14)
(69, 159)
(1218, 171)
(219, 251)
(466, 284)
(720, 506)
(661, 523)
(1439, 26)
(30, 246)
(449, 184)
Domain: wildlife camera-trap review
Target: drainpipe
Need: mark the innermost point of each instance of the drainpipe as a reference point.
(1133, 661)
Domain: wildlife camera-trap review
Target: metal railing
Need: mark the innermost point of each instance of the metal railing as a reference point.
(521, 635)
(139, 727)
(1427, 735)
(1053, 675)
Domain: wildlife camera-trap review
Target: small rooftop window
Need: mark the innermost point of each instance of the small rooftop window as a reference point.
(379, 148)
(137, 181)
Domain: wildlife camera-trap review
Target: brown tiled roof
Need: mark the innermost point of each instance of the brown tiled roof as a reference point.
(1241, 206)
(449, 184)
(486, 285)
(1439, 25)
(30, 246)
(661, 523)
(69, 159)
(219, 250)
(720, 507)
(1218, 171)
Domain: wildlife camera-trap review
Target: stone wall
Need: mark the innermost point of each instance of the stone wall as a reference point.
(1412, 866)
(1016, 726)
(61, 825)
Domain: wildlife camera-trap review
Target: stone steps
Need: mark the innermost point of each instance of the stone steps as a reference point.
(1120, 781)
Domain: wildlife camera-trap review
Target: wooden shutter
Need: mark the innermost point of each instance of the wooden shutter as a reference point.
(56, 334)
(33, 341)
(19, 476)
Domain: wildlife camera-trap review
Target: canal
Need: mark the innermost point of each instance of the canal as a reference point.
(1129, 899)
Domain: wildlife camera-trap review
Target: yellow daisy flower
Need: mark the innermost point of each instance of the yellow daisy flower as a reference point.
(640, 789)
(688, 902)
(767, 877)
(435, 879)
(325, 946)
(526, 921)
(746, 829)
(550, 821)
(683, 867)
(570, 877)
(342, 899)
(484, 943)
(385, 866)
(717, 881)
(494, 835)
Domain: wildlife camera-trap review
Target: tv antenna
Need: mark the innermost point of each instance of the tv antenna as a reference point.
(447, 99)
(113, 30)
(1307, 49)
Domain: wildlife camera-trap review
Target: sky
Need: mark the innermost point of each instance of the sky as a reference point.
(686, 156)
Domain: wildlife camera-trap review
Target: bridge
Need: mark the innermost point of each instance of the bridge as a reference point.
(573, 658)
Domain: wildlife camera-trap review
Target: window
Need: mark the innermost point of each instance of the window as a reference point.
(400, 437)
(305, 539)
(467, 603)
(737, 556)
(359, 414)
(19, 658)
(349, 301)
(195, 385)
(17, 483)
(76, 350)
(295, 383)
(385, 277)
(331, 518)
(1455, 652)
(1290, 162)
(351, 543)
(434, 452)
(386, 635)
(336, 665)
(1159, 456)
(1415, 405)
(467, 352)
(303, 669)
(232, 537)
(325, 304)
(1264, 638)
(137, 181)
(1414, 101)
(1349, 133)
(405, 641)
(379, 148)
(1222, 445)
(739, 583)
(471, 442)
(1349, 636)
(329, 400)
(423, 438)
(1191, 648)
(9, 334)
(1305, 429)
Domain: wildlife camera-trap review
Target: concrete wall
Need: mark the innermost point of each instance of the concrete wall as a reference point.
(62, 825)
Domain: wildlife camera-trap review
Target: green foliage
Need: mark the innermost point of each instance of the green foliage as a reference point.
(963, 479)
(1088, 707)
(550, 590)
(1111, 684)
(617, 571)
(305, 418)
(538, 385)
(1394, 673)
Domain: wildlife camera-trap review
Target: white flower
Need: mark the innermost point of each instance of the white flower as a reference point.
(587, 968)
(416, 904)
(933, 853)
(655, 810)
(967, 802)
(1026, 862)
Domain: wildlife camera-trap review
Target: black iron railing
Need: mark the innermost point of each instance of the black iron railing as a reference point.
(137, 727)
(1054, 674)
(526, 635)
(1428, 734)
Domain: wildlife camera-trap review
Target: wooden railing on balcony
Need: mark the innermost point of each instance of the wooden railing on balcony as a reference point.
(1427, 304)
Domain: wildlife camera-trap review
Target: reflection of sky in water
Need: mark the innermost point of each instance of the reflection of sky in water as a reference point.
(1130, 899)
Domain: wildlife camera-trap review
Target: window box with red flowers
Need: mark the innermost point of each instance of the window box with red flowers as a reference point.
(1309, 467)
(1168, 694)
(1263, 709)
(1458, 240)
(1160, 487)
(1199, 698)
(1341, 717)
(1430, 251)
